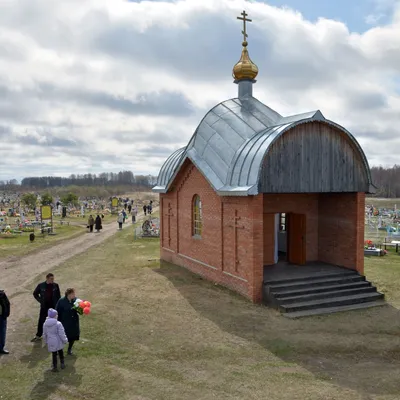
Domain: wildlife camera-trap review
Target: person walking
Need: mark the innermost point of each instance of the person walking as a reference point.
(47, 294)
(145, 209)
(91, 223)
(55, 338)
(98, 223)
(69, 317)
(120, 220)
(134, 214)
(4, 314)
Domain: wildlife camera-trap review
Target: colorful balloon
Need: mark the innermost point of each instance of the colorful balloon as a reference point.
(86, 310)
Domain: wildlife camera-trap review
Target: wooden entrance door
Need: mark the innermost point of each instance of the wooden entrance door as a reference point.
(297, 239)
(269, 239)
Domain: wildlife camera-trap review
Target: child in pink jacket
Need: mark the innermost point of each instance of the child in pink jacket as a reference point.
(54, 336)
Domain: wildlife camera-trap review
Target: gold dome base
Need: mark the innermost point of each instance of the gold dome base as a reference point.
(245, 68)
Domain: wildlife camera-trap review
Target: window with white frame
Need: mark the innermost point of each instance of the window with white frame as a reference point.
(197, 216)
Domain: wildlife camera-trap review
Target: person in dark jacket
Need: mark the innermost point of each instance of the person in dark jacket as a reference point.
(47, 294)
(90, 223)
(4, 314)
(97, 224)
(69, 317)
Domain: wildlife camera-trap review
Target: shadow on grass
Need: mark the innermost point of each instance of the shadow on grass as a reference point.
(358, 350)
(36, 356)
(53, 380)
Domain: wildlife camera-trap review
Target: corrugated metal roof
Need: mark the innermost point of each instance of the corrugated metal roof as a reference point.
(230, 143)
(168, 169)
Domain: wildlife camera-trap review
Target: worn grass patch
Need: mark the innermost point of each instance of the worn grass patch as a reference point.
(21, 245)
(159, 332)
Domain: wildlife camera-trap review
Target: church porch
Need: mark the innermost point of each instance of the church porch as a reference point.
(283, 270)
(313, 254)
(317, 288)
(314, 227)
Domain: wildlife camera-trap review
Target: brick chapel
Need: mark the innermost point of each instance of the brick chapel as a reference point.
(254, 188)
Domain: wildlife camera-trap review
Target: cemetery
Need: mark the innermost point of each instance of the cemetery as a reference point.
(382, 230)
(18, 221)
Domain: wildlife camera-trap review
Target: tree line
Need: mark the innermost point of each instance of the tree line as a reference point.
(387, 181)
(108, 179)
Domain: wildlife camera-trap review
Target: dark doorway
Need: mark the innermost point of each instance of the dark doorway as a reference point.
(282, 237)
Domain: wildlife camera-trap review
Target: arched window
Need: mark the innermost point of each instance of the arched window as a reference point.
(197, 216)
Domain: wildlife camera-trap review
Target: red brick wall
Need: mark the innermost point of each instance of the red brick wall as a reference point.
(214, 255)
(334, 222)
(341, 229)
(294, 203)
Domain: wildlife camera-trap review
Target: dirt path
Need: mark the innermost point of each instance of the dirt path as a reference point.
(15, 274)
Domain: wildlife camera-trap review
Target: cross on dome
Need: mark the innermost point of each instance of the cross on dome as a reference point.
(244, 69)
(244, 19)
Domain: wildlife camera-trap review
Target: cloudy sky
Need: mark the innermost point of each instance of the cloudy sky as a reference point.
(105, 85)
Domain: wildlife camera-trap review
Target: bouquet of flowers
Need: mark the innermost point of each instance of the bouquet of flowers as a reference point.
(368, 244)
(82, 306)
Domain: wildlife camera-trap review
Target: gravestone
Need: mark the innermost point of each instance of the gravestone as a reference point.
(372, 252)
(151, 228)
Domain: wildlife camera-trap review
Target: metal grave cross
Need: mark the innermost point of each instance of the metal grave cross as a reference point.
(244, 19)
(169, 215)
(235, 227)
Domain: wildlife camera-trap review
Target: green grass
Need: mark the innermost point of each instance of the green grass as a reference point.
(21, 245)
(159, 332)
(385, 273)
(383, 203)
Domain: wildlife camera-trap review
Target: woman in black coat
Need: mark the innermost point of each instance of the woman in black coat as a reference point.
(69, 317)
(97, 223)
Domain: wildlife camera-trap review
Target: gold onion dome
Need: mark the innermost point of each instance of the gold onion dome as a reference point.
(245, 68)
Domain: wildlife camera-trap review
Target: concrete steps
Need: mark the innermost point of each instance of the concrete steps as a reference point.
(321, 293)
(329, 294)
(331, 310)
(322, 289)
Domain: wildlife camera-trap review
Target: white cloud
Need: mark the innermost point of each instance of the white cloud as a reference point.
(94, 85)
(382, 9)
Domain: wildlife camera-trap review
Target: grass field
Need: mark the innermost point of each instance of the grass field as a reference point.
(21, 245)
(159, 332)
(384, 203)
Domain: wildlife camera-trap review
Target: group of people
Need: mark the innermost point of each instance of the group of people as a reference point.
(95, 223)
(123, 216)
(147, 209)
(58, 322)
